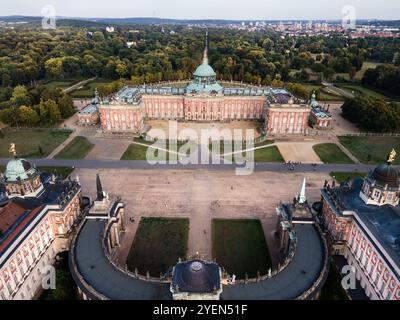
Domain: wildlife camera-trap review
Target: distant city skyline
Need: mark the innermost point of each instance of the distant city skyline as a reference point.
(209, 9)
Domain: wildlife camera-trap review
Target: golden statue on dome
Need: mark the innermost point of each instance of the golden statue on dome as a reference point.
(13, 149)
(392, 156)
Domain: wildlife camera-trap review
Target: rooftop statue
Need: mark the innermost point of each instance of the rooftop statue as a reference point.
(392, 156)
(13, 149)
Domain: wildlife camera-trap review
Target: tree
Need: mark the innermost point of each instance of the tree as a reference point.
(66, 106)
(98, 36)
(10, 116)
(373, 114)
(43, 110)
(54, 115)
(5, 80)
(121, 69)
(54, 67)
(20, 96)
(28, 116)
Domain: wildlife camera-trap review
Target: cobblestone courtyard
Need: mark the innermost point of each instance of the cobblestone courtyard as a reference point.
(200, 195)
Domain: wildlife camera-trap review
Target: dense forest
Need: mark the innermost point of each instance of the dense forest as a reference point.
(373, 114)
(29, 58)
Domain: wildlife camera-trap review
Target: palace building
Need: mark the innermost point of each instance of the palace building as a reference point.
(36, 218)
(362, 219)
(320, 117)
(202, 100)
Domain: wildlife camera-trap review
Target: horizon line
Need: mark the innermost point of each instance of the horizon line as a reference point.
(197, 19)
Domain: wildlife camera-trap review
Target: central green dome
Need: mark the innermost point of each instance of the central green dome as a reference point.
(205, 70)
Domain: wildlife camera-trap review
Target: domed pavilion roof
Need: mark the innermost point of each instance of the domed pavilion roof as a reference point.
(386, 174)
(204, 70)
(196, 276)
(19, 170)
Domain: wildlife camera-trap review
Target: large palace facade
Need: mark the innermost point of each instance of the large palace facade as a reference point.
(202, 100)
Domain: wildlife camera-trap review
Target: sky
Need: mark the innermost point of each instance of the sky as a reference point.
(207, 9)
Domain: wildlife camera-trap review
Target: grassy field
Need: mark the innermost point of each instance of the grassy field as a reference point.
(32, 143)
(158, 245)
(371, 150)
(76, 149)
(322, 96)
(332, 289)
(361, 90)
(63, 84)
(230, 147)
(331, 153)
(138, 152)
(343, 176)
(270, 154)
(87, 91)
(239, 246)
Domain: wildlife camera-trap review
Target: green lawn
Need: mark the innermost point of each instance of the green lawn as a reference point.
(138, 152)
(87, 91)
(63, 84)
(331, 153)
(322, 96)
(32, 143)
(158, 245)
(369, 65)
(344, 176)
(186, 148)
(332, 289)
(371, 150)
(230, 147)
(270, 154)
(361, 90)
(360, 74)
(239, 246)
(78, 148)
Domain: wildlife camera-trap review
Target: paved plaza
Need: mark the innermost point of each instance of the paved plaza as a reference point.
(192, 130)
(200, 195)
(299, 151)
(340, 124)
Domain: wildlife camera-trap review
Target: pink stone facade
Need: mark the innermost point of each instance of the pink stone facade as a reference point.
(348, 238)
(291, 119)
(287, 119)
